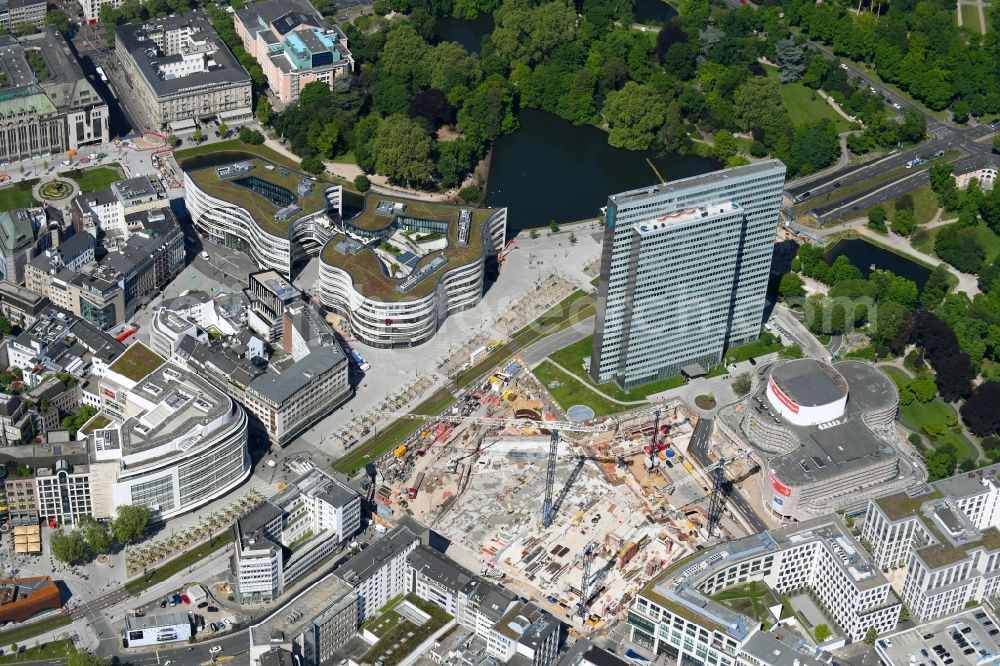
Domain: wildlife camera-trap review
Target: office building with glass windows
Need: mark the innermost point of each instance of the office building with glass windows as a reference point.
(176, 440)
(684, 272)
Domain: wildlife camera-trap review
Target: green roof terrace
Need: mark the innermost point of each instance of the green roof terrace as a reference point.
(246, 189)
(137, 362)
(366, 269)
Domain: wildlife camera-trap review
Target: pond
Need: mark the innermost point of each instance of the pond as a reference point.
(864, 255)
(468, 33)
(550, 169)
(653, 12)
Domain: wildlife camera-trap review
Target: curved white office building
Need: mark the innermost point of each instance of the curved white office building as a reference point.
(273, 214)
(178, 442)
(395, 288)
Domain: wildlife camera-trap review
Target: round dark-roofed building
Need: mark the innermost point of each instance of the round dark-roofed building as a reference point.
(824, 435)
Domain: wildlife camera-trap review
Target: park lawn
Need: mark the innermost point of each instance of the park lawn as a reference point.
(54, 650)
(17, 195)
(970, 18)
(753, 599)
(804, 105)
(570, 391)
(345, 158)
(168, 569)
(22, 632)
(989, 239)
(917, 414)
(767, 343)
(95, 179)
(572, 358)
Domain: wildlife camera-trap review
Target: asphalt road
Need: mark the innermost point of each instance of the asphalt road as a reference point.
(973, 143)
(698, 448)
(537, 352)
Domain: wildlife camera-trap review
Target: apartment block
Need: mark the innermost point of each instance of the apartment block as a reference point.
(684, 272)
(312, 519)
(947, 538)
(676, 616)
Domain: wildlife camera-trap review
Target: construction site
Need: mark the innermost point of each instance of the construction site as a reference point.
(581, 536)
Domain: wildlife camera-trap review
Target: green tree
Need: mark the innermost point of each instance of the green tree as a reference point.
(313, 164)
(526, 34)
(822, 632)
(130, 523)
(361, 183)
(914, 127)
(741, 384)
(198, 135)
(902, 223)
(936, 287)
(791, 286)
(251, 136)
(571, 238)
(58, 18)
(923, 387)
(996, 142)
(634, 114)
(871, 635)
(6, 327)
(724, 145)
(553, 226)
(488, 112)
(402, 150)
(98, 538)
(961, 248)
(876, 219)
(68, 547)
(264, 110)
(222, 129)
(171, 139)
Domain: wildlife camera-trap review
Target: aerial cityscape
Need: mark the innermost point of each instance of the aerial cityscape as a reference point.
(499, 333)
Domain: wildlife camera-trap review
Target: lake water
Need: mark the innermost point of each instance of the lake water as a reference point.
(550, 169)
(864, 255)
(653, 12)
(468, 33)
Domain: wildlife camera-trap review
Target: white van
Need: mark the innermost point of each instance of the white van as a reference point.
(204, 255)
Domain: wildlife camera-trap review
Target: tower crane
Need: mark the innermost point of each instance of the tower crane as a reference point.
(554, 427)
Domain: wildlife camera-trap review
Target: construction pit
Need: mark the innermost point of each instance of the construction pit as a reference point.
(625, 503)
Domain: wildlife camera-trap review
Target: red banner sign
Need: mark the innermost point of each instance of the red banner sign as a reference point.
(778, 486)
(785, 400)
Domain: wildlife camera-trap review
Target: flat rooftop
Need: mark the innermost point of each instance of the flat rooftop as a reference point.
(841, 446)
(809, 382)
(633, 197)
(386, 214)
(243, 188)
(677, 587)
(221, 68)
(298, 614)
(972, 626)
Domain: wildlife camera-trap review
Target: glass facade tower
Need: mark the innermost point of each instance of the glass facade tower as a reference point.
(684, 272)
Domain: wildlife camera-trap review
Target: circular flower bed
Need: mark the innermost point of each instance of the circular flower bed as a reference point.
(56, 189)
(705, 402)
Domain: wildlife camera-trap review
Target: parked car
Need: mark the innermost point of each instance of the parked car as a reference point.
(212, 609)
(203, 604)
(186, 599)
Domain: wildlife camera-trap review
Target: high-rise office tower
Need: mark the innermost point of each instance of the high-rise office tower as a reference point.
(684, 272)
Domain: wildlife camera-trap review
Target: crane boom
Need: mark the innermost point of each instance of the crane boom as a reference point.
(706, 471)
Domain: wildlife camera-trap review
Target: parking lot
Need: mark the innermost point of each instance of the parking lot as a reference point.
(957, 640)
